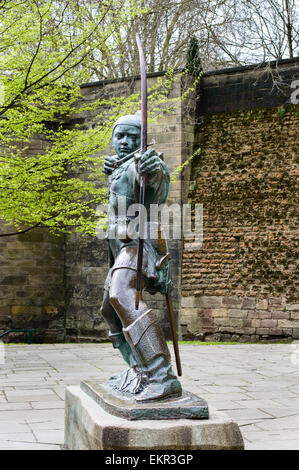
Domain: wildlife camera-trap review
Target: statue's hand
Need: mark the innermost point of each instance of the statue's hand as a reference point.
(150, 162)
(110, 164)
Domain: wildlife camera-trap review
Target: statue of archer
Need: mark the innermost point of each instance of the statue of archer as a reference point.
(137, 264)
(136, 332)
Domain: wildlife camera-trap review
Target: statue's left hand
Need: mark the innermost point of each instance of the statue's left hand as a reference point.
(109, 164)
(150, 162)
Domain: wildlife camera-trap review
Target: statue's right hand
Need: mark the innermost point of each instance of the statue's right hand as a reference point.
(110, 164)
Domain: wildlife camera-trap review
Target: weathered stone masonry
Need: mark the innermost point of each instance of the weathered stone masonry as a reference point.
(242, 284)
(32, 287)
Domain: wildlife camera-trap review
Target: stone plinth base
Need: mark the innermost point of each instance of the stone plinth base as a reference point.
(89, 427)
(124, 406)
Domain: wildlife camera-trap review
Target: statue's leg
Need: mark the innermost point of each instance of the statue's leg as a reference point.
(115, 330)
(131, 380)
(146, 338)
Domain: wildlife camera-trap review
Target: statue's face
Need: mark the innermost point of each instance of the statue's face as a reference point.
(125, 139)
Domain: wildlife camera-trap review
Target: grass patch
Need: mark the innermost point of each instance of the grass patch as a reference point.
(229, 343)
(191, 343)
(16, 344)
(209, 343)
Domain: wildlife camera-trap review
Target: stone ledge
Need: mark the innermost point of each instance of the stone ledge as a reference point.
(89, 427)
(116, 403)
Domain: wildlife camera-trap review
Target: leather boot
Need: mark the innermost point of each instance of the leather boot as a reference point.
(131, 380)
(119, 342)
(147, 340)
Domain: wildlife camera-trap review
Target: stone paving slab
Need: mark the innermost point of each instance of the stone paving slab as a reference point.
(19, 445)
(257, 385)
(273, 445)
(260, 404)
(46, 405)
(48, 425)
(19, 436)
(50, 436)
(14, 406)
(9, 427)
(30, 415)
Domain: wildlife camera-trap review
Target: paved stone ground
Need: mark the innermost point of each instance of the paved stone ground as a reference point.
(257, 385)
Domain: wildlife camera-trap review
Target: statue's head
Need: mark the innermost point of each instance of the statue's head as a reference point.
(126, 134)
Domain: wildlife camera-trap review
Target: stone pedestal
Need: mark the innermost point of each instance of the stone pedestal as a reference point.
(89, 427)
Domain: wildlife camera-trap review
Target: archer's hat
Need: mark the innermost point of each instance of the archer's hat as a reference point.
(129, 120)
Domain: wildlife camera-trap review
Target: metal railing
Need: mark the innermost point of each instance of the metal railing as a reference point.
(30, 332)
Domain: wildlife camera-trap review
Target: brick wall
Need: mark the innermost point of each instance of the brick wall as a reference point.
(32, 285)
(243, 283)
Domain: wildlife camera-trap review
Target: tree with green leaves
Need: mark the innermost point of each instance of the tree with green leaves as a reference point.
(46, 49)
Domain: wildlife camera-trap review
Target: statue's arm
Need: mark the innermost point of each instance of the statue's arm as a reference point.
(153, 166)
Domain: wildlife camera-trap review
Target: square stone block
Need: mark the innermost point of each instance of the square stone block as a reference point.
(89, 427)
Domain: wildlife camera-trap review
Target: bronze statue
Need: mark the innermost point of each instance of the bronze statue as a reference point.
(135, 331)
(137, 264)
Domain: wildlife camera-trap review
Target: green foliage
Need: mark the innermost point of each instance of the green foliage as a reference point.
(228, 343)
(281, 112)
(174, 175)
(46, 53)
(193, 60)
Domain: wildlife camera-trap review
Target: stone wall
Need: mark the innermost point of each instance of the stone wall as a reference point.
(250, 87)
(243, 283)
(32, 285)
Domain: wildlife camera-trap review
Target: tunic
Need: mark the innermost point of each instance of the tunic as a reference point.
(123, 186)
